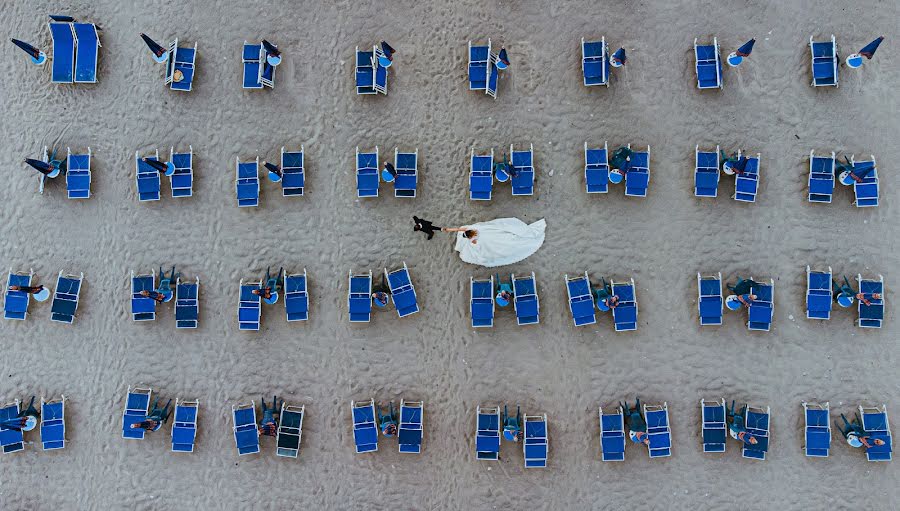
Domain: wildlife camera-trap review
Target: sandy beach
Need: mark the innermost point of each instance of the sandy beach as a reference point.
(767, 106)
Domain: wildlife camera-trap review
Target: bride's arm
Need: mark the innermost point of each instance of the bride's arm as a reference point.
(451, 229)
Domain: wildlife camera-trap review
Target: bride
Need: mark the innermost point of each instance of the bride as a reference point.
(498, 242)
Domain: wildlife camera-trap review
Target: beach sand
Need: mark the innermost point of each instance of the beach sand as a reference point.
(767, 106)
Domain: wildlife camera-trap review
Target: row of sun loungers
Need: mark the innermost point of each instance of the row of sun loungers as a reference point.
(482, 173)
(52, 426)
(367, 424)
(186, 296)
(359, 295)
(65, 297)
(368, 176)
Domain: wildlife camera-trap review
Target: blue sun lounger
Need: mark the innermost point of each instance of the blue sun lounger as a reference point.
(709, 65)
(65, 298)
(875, 422)
(709, 300)
(714, 430)
(594, 62)
(359, 297)
(480, 64)
(184, 425)
(246, 436)
(15, 303)
(535, 445)
(821, 178)
(367, 179)
(187, 304)
(402, 291)
(407, 167)
(596, 169)
(53, 424)
(371, 76)
(146, 177)
(257, 72)
(817, 429)
(247, 182)
(87, 49)
(824, 62)
(867, 191)
(581, 300)
(747, 184)
(249, 308)
(626, 312)
(482, 302)
(293, 179)
(612, 435)
(181, 59)
(409, 431)
(182, 181)
(759, 315)
(818, 293)
(481, 176)
(78, 174)
(706, 173)
(290, 430)
(487, 433)
(657, 417)
(11, 440)
(63, 37)
(637, 179)
(525, 301)
(523, 166)
(756, 422)
(365, 432)
(143, 308)
(137, 406)
(296, 299)
(872, 315)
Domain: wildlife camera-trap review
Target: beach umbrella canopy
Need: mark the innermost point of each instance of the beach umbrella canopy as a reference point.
(40, 166)
(619, 56)
(62, 19)
(869, 50)
(157, 50)
(29, 49)
(745, 49)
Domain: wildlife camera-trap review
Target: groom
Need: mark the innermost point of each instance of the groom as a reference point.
(425, 226)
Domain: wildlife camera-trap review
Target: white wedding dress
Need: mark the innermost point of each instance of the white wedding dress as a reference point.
(500, 242)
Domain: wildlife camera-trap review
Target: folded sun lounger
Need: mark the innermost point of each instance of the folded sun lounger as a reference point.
(53, 424)
(293, 179)
(756, 422)
(407, 167)
(247, 182)
(359, 297)
(184, 425)
(637, 179)
(581, 300)
(487, 433)
(78, 174)
(409, 431)
(759, 315)
(817, 429)
(526, 302)
(187, 304)
(367, 179)
(181, 59)
(523, 168)
(535, 444)
(249, 308)
(143, 308)
(65, 297)
(246, 434)
(257, 72)
(290, 430)
(596, 169)
(657, 417)
(713, 429)
(147, 177)
(824, 62)
(402, 291)
(709, 301)
(612, 435)
(866, 192)
(746, 185)
(365, 432)
(709, 65)
(626, 312)
(296, 299)
(182, 181)
(818, 293)
(594, 62)
(875, 422)
(872, 315)
(706, 173)
(15, 303)
(11, 440)
(137, 406)
(481, 176)
(482, 302)
(821, 178)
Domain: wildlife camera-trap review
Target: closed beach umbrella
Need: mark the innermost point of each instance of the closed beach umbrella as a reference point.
(735, 58)
(166, 168)
(37, 56)
(388, 58)
(160, 54)
(41, 166)
(273, 54)
(274, 172)
(618, 58)
(503, 59)
(855, 60)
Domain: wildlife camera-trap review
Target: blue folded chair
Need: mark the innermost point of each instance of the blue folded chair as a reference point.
(746, 185)
(402, 291)
(872, 315)
(182, 181)
(875, 422)
(481, 176)
(866, 192)
(146, 177)
(626, 312)
(525, 301)
(817, 429)
(523, 166)
(637, 179)
(15, 303)
(143, 308)
(407, 167)
(490, 87)
(249, 308)
(709, 300)
(657, 417)
(709, 65)
(87, 50)
(296, 298)
(479, 66)
(78, 174)
(821, 178)
(290, 430)
(137, 406)
(53, 424)
(371, 76)
(714, 429)
(365, 431)
(612, 435)
(63, 62)
(181, 58)
(706, 173)
(367, 179)
(581, 300)
(487, 433)
(818, 293)
(535, 445)
(65, 298)
(482, 302)
(257, 72)
(359, 297)
(409, 431)
(293, 178)
(824, 62)
(596, 169)
(247, 182)
(187, 303)
(756, 421)
(246, 434)
(594, 62)
(184, 425)
(11, 440)
(759, 315)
